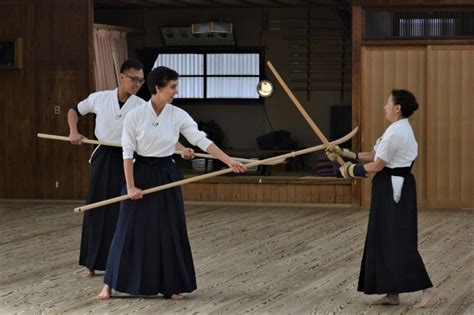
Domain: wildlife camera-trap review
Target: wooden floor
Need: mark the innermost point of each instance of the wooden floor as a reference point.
(248, 260)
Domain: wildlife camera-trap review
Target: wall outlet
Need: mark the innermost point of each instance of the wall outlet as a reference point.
(57, 110)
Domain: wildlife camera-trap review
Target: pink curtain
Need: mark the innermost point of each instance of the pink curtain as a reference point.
(110, 51)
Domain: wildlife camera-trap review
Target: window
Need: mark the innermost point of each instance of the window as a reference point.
(217, 76)
(428, 27)
(426, 24)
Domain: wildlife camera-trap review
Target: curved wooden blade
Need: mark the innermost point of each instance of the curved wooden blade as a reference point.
(217, 173)
(301, 109)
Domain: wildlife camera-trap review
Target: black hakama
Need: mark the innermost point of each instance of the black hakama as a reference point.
(391, 261)
(98, 228)
(150, 252)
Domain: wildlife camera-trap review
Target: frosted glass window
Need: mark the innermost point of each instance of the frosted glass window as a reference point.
(233, 64)
(232, 87)
(411, 27)
(184, 64)
(214, 75)
(427, 27)
(191, 87)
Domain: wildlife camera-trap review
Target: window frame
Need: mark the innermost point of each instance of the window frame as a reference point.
(411, 13)
(226, 50)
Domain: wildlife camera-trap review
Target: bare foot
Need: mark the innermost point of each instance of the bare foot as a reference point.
(177, 297)
(426, 298)
(88, 273)
(104, 294)
(389, 299)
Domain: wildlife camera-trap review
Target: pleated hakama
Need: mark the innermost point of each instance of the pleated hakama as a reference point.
(150, 252)
(391, 262)
(98, 228)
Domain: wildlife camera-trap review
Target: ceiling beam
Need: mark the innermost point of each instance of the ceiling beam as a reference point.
(221, 3)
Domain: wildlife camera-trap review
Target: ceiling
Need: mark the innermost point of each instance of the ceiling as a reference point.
(173, 4)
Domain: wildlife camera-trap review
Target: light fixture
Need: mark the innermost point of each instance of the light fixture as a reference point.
(211, 27)
(182, 36)
(265, 88)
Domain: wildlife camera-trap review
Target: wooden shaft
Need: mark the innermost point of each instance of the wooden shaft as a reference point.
(62, 138)
(201, 155)
(302, 110)
(214, 174)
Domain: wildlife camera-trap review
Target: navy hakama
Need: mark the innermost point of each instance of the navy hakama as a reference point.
(98, 228)
(150, 252)
(391, 261)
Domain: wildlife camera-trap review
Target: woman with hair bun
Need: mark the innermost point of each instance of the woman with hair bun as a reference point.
(150, 252)
(391, 263)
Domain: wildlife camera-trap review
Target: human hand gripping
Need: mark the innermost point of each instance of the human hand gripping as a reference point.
(187, 154)
(333, 150)
(237, 167)
(134, 193)
(351, 170)
(76, 138)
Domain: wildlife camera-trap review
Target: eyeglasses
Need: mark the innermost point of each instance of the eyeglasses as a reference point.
(135, 80)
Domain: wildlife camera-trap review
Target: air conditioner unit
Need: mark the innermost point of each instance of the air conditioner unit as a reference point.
(183, 36)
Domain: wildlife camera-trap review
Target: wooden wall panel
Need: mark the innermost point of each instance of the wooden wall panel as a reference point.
(56, 71)
(383, 69)
(357, 26)
(450, 126)
(279, 191)
(13, 19)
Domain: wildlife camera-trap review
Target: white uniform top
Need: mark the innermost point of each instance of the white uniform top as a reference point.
(156, 136)
(397, 148)
(109, 116)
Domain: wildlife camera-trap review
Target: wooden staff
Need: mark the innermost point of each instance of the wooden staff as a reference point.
(201, 155)
(214, 174)
(303, 111)
(62, 138)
